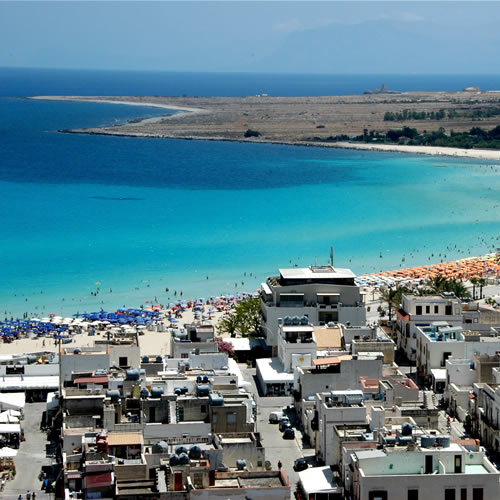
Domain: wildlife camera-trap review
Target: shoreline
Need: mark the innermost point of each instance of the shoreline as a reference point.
(482, 154)
(183, 110)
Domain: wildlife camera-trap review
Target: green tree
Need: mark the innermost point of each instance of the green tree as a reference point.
(249, 316)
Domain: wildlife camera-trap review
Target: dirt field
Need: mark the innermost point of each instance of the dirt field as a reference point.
(296, 119)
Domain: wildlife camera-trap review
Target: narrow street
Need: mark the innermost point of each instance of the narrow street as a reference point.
(30, 458)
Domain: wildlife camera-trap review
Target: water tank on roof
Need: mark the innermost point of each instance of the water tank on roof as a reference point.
(77, 350)
(31, 358)
(156, 391)
(287, 320)
(389, 440)
(132, 374)
(443, 441)
(406, 429)
(174, 460)
(216, 399)
(145, 359)
(195, 452)
(405, 440)
(202, 390)
(183, 458)
(160, 447)
(114, 395)
(198, 379)
(427, 441)
(159, 358)
(331, 324)
(144, 393)
(304, 320)
(180, 449)
(241, 464)
(205, 379)
(280, 321)
(296, 320)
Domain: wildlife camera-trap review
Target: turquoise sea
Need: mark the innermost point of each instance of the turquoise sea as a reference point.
(131, 217)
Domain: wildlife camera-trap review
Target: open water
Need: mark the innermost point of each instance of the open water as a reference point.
(132, 217)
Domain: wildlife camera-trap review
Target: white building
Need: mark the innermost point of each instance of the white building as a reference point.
(337, 373)
(336, 408)
(419, 311)
(448, 472)
(439, 341)
(323, 293)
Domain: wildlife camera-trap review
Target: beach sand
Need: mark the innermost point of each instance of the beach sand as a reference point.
(151, 343)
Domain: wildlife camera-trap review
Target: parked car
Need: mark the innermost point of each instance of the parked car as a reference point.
(275, 417)
(300, 464)
(284, 423)
(289, 433)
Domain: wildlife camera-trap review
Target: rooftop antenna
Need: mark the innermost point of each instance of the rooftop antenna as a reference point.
(331, 256)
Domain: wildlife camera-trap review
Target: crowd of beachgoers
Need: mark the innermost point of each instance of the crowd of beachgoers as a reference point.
(123, 320)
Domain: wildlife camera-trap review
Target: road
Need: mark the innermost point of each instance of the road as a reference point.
(277, 448)
(30, 457)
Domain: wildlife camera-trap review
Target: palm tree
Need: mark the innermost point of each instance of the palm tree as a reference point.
(474, 282)
(481, 282)
(437, 284)
(392, 297)
(458, 288)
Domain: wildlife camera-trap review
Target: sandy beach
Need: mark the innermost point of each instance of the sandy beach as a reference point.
(299, 121)
(151, 343)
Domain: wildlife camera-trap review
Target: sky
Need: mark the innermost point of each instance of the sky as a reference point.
(248, 36)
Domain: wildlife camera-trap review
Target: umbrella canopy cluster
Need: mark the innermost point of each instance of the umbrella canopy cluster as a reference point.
(58, 327)
(463, 269)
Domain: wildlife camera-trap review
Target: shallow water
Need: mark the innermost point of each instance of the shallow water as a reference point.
(142, 215)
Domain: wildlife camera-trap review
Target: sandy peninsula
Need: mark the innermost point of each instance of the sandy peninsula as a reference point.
(304, 121)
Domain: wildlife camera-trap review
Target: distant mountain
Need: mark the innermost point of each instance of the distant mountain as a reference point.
(384, 47)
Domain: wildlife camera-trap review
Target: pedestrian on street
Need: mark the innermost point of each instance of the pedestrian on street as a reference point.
(280, 464)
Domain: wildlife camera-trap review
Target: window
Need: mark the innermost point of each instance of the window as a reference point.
(477, 493)
(123, 361)
(203, 408)
(447, 310)
(412, 494)
(449, 494)
(231, 418)
(377, 495)
(463, 494)
(419, 310)
(427, 309)
(436, 309)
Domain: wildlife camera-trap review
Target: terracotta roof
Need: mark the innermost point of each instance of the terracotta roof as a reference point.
(124, 438)
(328, 337)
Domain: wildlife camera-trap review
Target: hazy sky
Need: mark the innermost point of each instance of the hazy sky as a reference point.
(281, 36)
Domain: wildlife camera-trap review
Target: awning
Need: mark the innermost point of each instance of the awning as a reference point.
(10, 429)
(91, 380)
(328, 294)
(334, 360)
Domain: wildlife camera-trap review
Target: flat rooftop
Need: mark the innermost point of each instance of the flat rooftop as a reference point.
(317, 480)
(316, 272)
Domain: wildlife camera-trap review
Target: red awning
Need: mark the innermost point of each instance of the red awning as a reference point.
(98, 480)
(92, 380)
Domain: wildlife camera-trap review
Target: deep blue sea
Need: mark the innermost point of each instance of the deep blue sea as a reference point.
(142, 215)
